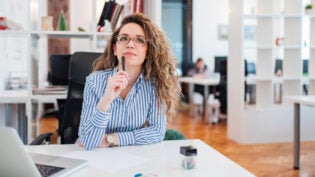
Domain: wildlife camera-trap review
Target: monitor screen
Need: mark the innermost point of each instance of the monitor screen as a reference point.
(217, 63)
(305, 66)
(251, 68)
(278, 65)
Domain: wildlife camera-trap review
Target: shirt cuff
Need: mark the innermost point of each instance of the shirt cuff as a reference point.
(126, 138)
(101, 118)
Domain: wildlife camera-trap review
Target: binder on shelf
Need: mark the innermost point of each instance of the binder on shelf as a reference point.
(136, 6)
(109, 10)
(101, 19)
(116, 15)
(106, 12)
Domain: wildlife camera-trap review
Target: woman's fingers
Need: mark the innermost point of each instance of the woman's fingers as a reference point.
(116, 83)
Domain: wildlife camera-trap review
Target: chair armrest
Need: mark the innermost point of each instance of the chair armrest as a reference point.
(42, 139)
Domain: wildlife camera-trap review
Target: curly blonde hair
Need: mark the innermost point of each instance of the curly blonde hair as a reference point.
(159, 65)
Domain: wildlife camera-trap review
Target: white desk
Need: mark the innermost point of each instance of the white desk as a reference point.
(297, 101)
(18, 97)
(162, 159)
(206, 82)
(24, 101)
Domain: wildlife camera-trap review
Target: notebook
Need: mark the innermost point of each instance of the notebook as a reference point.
(16, 161)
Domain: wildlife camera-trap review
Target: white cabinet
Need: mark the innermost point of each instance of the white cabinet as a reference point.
(267, 121)
(26, 51)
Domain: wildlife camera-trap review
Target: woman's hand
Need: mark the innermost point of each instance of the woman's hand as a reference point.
(103, 144)
(115, 84)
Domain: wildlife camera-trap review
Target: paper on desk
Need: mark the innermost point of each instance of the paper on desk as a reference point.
(108, 160)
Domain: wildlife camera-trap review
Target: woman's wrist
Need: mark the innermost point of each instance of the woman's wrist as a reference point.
(103, 105)
(112, 139)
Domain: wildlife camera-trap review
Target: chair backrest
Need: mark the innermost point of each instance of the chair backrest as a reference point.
(59, 69)
(80, 67)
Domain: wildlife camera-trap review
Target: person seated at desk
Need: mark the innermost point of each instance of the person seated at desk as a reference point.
(199, 71)
(131, 106)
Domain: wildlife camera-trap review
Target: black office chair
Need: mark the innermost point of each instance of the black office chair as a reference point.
(80, 67)
(223, 86)
(58, 75)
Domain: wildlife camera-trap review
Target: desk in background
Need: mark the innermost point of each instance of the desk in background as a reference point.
(206, 82)
(23, 100)
(163, 159)
(297, 101)
(19, 98)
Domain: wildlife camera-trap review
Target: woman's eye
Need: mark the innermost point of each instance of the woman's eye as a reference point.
(123, 38)
(140, 40)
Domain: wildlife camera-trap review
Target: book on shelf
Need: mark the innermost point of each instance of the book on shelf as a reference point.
(50, 90)
(101, 19)
(111, 12)
(136, 6)
(116, 15)
(106, 12)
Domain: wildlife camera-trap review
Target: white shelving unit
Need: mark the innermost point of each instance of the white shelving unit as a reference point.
(267, 121)
(292, 61)
(35, 49)
(311, 62)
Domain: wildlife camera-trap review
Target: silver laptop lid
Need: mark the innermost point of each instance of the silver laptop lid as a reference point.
(14, 159)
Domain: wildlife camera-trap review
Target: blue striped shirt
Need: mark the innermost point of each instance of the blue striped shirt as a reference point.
(124, 117)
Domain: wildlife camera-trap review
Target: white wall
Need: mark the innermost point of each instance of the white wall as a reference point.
(207, 15)
(13, 53)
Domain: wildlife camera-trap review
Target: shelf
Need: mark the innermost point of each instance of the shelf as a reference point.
(106, 34)
(48, 97)
(62, 34)
(8, 33)
(292, 47)
(292, 16)
(265, 47)
(291, 78)
(254, 16)
(13, 96)
(263, 79)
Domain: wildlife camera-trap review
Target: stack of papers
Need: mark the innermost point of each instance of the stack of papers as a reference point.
(51, 90)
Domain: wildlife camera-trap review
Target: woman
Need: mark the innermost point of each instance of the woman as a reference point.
(130, 107)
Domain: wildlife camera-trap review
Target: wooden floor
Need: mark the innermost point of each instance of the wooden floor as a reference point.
(263, 160)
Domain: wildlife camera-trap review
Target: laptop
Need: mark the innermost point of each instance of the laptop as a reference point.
(16, 161)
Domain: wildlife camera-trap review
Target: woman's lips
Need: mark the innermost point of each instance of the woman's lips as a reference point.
(129, 54)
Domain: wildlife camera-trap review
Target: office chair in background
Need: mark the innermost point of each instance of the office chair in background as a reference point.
(58, 76)
(79, 68)
(223, 86)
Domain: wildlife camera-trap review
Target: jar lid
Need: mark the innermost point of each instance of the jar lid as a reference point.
(188, 151)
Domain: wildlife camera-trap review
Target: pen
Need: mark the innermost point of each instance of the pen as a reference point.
(145, 175)
(123, 62)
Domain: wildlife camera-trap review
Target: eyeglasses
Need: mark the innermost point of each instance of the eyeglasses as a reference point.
(125, 39)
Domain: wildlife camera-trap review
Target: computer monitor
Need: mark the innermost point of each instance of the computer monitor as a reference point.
(278, 65)
(305, 67)
(251, 68)
(217, 63)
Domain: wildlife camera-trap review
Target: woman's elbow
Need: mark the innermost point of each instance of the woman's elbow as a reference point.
(85, 145)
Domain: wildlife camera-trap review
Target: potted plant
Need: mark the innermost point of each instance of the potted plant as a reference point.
(308, 8)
